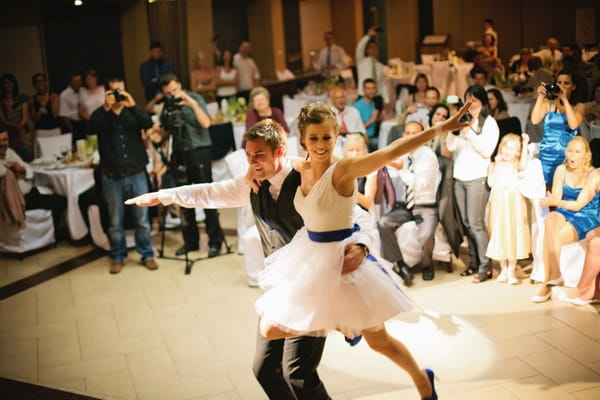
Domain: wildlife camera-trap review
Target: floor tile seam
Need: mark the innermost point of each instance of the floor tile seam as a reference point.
(552, 380)
(561, 349)
(129, 373)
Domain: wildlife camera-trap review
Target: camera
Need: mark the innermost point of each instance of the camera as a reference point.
(466, 118)
(118, 95)
(552, 90)
(172, 103)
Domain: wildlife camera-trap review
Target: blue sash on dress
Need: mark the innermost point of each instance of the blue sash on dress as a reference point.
(332, 236)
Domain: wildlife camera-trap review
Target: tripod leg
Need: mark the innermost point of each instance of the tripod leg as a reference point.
(163, 219)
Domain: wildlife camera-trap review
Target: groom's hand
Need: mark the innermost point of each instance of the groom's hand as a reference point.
(354, 255)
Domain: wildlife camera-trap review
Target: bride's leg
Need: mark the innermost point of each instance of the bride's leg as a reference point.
(380, 341)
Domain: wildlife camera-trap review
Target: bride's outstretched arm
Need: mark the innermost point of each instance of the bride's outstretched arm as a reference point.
(350, 168)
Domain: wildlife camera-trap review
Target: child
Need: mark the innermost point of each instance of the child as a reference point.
(507, 222)
(356, 146)
(304, 292)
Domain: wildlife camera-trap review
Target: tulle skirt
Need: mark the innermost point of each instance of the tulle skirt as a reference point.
(307, 295)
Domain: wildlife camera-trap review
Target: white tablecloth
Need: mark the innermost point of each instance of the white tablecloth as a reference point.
(69, 182)
(384, 131)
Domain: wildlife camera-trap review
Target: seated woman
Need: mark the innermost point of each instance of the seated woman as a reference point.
(260, 108)
(520, 66)
(498, 107)
(576, 196)
(587, 290)
(203, 79)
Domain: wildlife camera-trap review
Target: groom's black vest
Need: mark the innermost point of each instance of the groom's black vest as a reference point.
(277, 220)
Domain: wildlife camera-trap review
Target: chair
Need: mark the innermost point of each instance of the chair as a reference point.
(292, 107)
(54, 145)
(38, 233)
(212, 108)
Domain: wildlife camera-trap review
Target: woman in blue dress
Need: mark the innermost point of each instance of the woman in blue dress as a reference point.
(576, 197)
(561, 122)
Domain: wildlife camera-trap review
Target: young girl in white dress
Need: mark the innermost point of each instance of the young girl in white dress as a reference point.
(510, 239)
(304, 291)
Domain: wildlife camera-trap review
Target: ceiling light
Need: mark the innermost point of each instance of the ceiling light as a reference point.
(78, 3)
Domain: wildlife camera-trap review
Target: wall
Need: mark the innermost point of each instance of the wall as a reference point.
(199, 29)
(402, 29)
(347, 21)
(20, 26)
(315, 20)
(135, 41)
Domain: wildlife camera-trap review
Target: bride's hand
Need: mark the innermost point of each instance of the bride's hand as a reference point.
(251, 181)
(453, 123)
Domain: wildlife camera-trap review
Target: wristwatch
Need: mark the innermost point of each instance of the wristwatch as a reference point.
(364, 247)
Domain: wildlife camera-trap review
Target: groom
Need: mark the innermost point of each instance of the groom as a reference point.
(285, 368)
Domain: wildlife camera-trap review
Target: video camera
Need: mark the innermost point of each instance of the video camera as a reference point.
(172, 103)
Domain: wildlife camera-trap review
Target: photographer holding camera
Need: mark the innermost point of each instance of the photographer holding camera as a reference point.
(118, 124)
(184, 116)
(561, 121)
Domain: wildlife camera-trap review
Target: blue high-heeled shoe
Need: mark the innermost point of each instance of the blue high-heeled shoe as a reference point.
(430, 375)
(353, 341)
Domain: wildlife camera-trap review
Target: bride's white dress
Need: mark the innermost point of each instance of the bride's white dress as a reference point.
(305, 291)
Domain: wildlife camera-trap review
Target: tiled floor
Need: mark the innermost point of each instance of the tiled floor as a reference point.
(166, 335)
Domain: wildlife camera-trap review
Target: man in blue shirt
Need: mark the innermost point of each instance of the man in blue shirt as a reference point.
(152, 69)
(368, 111)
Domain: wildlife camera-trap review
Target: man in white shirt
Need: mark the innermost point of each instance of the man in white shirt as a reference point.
(348, 118)
(551, 54)
(10, 160)
(247, 69)
(286, 369)
(420, 175)
(368, 66)
(69, 107)
(332, 58)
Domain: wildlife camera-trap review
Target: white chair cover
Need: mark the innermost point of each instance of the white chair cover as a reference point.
(53, 145)
(212, 108)
(38, 233)
(292, 107)
(237, 165)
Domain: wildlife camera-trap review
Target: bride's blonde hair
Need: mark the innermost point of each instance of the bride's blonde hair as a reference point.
(314, 114)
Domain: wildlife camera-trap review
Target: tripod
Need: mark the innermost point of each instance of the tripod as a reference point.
(189, 262)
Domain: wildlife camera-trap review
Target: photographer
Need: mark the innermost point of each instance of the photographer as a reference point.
(184, 116)
(561, 121)
(472, 147)
(118, 124)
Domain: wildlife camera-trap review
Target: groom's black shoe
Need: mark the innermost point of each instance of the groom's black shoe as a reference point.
(404, 271)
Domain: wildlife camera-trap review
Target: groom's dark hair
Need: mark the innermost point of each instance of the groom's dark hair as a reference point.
(268, 130)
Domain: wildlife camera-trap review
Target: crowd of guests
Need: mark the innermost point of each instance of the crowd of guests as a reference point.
(450, 181)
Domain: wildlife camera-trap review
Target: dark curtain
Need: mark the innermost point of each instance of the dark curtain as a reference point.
(166, 20)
